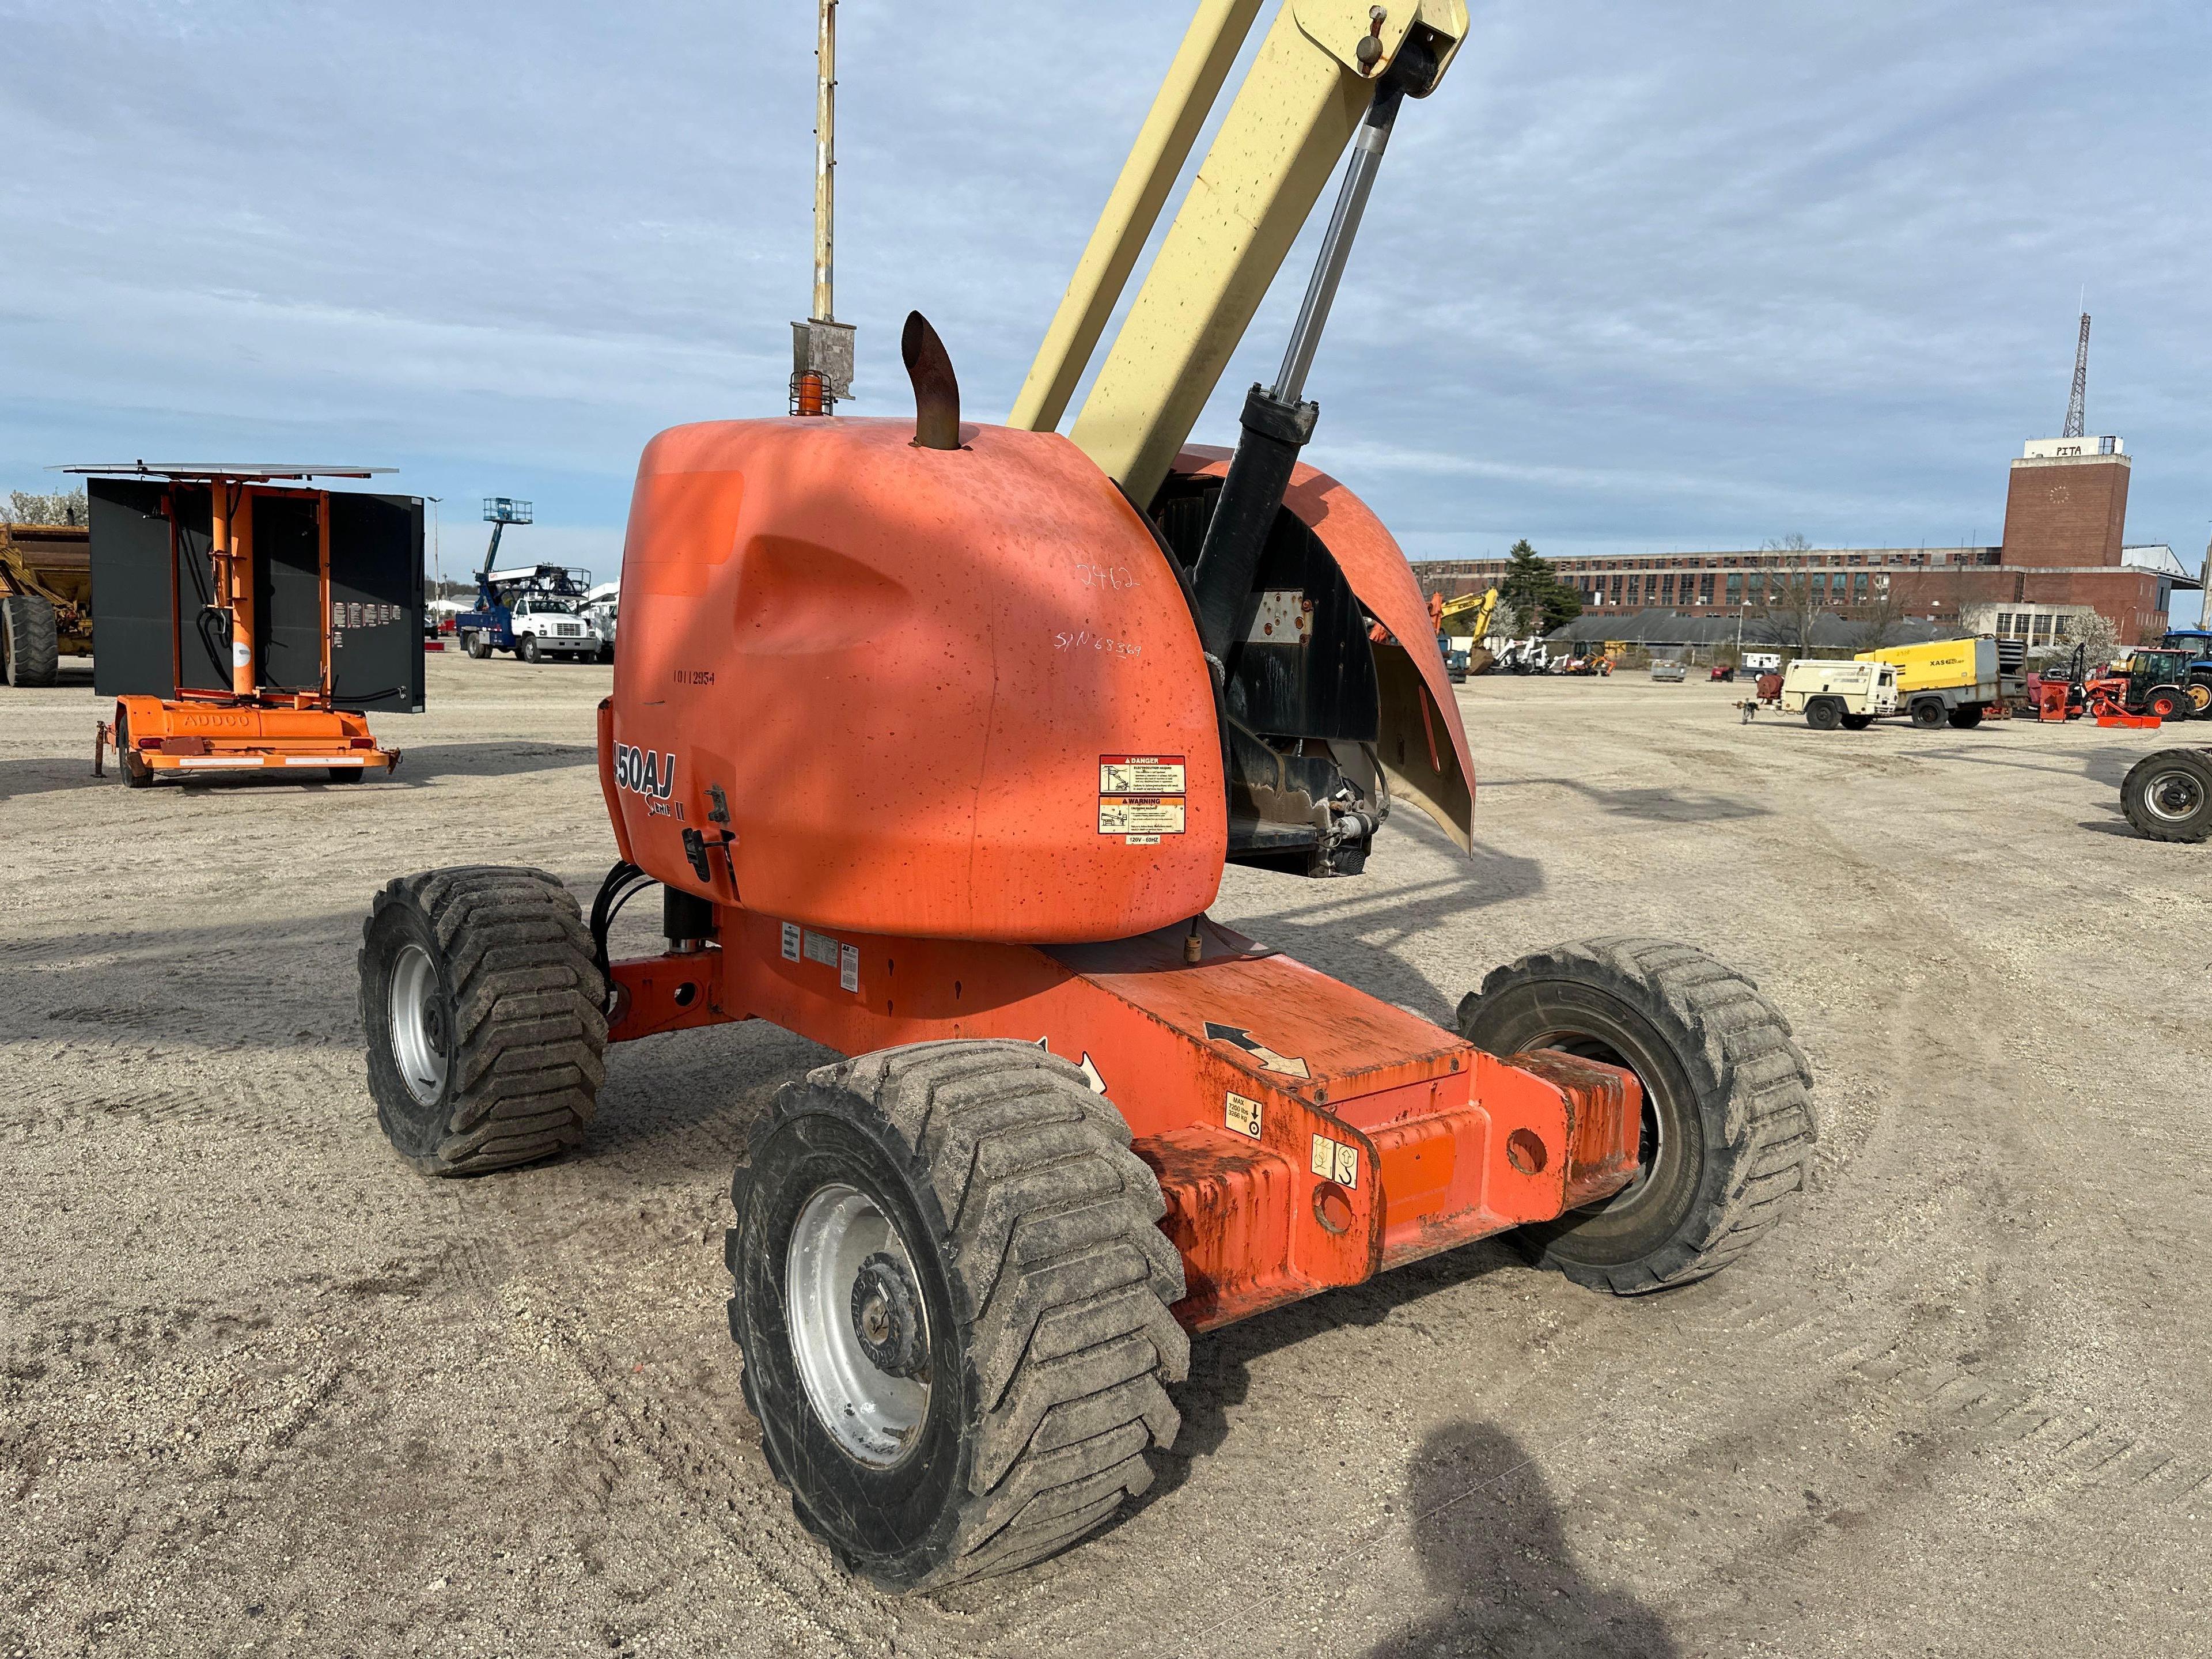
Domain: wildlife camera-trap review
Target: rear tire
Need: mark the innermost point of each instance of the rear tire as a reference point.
(1966, 718)
(30, 641)
(1728, 1126)
(482, 1006)
(1928, 714)
(1824, 714)
(1007, 1268)
(2168, 702)
(137, 775)
(2167, 796)
(1857, 722)
(2200, 698)
(477, 647)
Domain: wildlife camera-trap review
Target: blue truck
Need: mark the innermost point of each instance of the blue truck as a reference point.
(2197, 642)
(535, 610)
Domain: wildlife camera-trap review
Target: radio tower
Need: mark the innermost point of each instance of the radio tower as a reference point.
(2075, 412)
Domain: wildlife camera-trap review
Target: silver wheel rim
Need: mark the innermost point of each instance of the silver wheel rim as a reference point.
(419, 1038)
(873, 1415)
(2173, 797)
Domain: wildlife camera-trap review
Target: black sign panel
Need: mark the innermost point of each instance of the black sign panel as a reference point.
(145, 582)
(287, 593)
(156, 621)
(376, 601)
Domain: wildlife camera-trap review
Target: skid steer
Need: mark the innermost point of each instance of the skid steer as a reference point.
(937, 738)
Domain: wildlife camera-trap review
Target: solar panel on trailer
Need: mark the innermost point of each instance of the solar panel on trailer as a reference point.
(223, 470)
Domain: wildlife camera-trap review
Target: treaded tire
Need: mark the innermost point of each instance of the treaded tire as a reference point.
(528, 650)
(31, 640)
(137, 775)
(1045, 1280)
(1824, 714)
(2200, 699)
(1928, 714)
(1728, 1126)
(2168, 795)
(1857, 722)
(2168, 702)
(518, 1004)
(1966, 717)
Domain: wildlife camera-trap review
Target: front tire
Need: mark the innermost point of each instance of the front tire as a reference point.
(951, 1294)
(1824, 714)
(30, 641)
(483, 1004)
(1966, 718)
(1928, 714)
(527, 650)
(2167, 796)
(1728, 1123)
(1857, 722)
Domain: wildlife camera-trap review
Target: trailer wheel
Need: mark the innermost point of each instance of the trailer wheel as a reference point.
(2167, 796)
(1966, 716)
(1824, 714)
(481, 1002)
(2168, 702)
(951, 1294)
(1857, 722)
(137, 775)
(30, 640)
(1728, 1110)
(1928, 713)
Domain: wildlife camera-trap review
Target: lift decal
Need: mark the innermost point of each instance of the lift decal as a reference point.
(1141, 797)
(644, 772)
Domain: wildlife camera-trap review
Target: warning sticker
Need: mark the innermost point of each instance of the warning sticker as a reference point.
(791, 941)
(1141, 775)
(848, 968)
(1140, 814)
(820, 947)
(1141, 797)
(1243, 1116)
(1334, 1160)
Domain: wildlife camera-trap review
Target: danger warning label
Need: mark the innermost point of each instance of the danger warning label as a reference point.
(1141, 797)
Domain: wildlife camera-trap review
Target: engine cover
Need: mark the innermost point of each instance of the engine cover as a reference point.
(942, 693)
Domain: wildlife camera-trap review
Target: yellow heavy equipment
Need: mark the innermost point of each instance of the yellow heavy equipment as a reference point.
(46, 599)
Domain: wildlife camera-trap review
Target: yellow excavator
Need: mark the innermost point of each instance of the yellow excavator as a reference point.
(1464, 616)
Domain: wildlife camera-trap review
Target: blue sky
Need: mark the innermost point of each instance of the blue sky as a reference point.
(1639, 277)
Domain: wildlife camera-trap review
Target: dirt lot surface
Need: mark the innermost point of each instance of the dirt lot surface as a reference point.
(266, 1389)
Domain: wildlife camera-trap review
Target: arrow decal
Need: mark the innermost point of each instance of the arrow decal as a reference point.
(1237, 1038)
(1090, 1072)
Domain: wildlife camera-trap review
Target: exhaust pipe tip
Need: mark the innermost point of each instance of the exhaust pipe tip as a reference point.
(936, 390)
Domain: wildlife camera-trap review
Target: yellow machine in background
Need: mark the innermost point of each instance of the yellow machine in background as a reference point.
(1953, 680)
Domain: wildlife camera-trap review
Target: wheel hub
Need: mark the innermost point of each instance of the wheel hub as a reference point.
(2174, 796)
(859, 1329)
(421, 1038)
(887, 1316)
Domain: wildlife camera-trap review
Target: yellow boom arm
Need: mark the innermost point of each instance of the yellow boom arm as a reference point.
(1297, 111)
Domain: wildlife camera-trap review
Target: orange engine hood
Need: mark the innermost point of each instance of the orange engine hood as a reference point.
(948, 694)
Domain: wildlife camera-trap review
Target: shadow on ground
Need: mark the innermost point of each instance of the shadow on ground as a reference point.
(1501, 1578)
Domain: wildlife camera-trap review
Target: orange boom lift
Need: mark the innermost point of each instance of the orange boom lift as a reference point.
(232, 639)
(937, 737)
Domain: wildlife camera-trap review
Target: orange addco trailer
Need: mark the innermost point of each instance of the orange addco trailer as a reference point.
(248, 623)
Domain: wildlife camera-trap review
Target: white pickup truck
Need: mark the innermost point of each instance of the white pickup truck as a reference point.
(1851, 694)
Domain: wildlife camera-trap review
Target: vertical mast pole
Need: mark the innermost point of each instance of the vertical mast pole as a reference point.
(825, 161)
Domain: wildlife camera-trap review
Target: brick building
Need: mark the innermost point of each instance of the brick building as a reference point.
(2063, 553)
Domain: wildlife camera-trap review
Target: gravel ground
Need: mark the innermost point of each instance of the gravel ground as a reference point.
(266, 1391)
